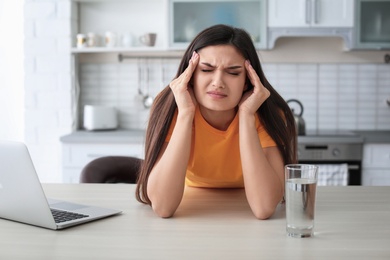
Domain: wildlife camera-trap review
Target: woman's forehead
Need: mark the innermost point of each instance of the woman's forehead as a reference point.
(220, 55)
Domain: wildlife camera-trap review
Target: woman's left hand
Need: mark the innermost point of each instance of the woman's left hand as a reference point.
(253, 99)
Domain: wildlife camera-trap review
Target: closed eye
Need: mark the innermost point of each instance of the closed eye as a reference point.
(204, 70)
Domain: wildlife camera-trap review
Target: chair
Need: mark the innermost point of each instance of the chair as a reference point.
(111, 169)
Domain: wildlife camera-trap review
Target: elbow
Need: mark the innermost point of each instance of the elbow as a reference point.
(163, 212)
(164, 206)
(263, 213)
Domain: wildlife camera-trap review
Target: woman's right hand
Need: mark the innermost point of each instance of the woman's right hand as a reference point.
(182, 89)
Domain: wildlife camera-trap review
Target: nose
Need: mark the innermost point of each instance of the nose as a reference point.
(218, 80)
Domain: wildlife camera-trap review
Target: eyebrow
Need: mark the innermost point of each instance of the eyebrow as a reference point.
(230, 68)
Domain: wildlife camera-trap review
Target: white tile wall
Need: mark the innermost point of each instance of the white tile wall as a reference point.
(118, 85)
(48, 96)
(334, 96)
(383, 94)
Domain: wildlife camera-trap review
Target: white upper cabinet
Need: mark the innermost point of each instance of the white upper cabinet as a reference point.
(176, 22)
(188, 17)
(307, 18)
(310, 13)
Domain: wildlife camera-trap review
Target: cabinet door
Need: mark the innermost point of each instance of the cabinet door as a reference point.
(78, 155)
(372, 24)
(189, 17)
(376, 177)
(376, 156)
(332, 13)
(288, 13)
(310, 13)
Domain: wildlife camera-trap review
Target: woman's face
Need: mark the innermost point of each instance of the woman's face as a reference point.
(219, 79)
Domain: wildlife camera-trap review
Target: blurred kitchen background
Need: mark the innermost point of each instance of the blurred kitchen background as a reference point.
(60, 56)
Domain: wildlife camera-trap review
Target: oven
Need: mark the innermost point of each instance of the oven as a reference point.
(333, 148)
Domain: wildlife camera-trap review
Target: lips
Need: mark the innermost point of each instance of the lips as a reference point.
(216, 94)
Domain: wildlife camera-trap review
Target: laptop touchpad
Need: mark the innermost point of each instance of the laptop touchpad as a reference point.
(67, 206)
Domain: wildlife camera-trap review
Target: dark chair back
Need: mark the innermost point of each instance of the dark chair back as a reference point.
(111, 169)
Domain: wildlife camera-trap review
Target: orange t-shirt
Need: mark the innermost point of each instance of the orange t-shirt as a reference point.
(215, 155)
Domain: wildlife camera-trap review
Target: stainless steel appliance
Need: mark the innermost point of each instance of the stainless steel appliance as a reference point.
(299, 121)
(333, 147)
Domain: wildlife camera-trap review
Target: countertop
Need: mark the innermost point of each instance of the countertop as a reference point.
(138, 136)
(112, 136)
(350, 223)
(374, 136)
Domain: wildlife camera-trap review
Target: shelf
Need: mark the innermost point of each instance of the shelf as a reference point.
(107, 1)
(117, 49)
(131, 51)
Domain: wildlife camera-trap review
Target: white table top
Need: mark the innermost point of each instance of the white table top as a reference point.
(351, 223)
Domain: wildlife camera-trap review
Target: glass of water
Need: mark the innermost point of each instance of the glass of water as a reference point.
(300, 195)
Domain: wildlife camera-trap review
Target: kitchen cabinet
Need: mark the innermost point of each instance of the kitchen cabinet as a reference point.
(372, 25)
(76, 155)
(310, 13)
(310, 18)
(187, 18)
(127, 20)
(176, 22)
(376, 164)
(372, 177)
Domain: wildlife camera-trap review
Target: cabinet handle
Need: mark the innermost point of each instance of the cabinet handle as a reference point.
(353, 167)
(316, 11)
(308, 11)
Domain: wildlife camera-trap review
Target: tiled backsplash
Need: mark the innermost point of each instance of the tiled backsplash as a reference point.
(123, 85)
(334, 96)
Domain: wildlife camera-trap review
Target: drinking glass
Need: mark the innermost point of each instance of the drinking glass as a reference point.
(300, 192)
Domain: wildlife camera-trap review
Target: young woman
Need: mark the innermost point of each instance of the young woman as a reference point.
(219, 124)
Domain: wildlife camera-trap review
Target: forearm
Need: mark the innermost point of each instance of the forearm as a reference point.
(263, 185)
(167, 179)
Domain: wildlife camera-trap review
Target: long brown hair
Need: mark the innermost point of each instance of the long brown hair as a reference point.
(274, 113)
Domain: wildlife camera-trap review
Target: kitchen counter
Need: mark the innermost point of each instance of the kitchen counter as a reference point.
(374, 136)
(350, 223)
(302, 139)
(113, 136)
(138, 136)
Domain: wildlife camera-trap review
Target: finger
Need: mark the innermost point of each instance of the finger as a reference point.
(185, 77)
(258, 86)
(252, 75)
(193, 62)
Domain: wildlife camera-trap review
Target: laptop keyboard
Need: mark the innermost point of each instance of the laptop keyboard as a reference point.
(62, 216)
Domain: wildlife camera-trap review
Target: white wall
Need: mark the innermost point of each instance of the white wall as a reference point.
(11, 70)
(48, 82)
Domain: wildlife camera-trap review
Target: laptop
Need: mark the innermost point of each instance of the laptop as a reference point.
(22, 198)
